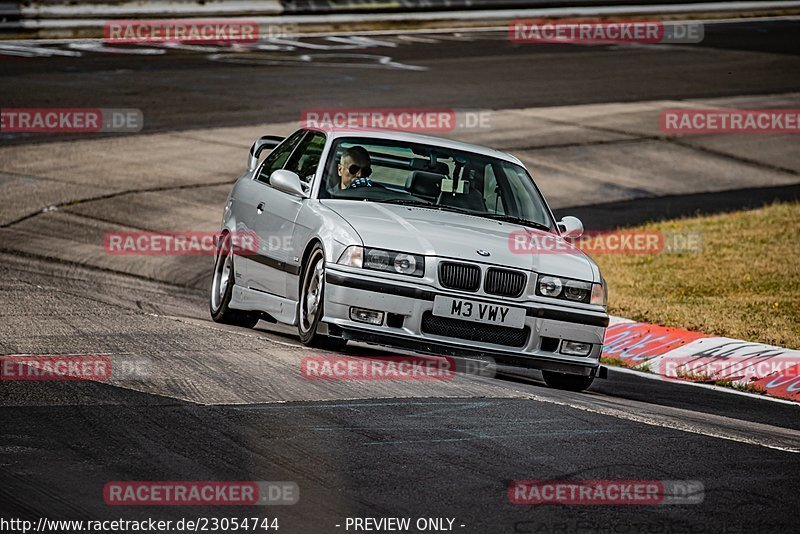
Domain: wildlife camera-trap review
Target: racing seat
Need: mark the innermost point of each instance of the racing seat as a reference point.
(425, 184)
(469, 200)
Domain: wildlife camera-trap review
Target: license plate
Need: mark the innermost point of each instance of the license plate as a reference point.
(478, 312)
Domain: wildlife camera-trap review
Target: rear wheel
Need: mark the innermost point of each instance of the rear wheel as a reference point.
(222, 289)
(312, 298)
(567, 382)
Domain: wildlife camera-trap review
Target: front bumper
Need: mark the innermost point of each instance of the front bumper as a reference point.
(411, 305)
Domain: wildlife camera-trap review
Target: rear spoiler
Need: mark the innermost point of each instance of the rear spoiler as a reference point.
(268, 141)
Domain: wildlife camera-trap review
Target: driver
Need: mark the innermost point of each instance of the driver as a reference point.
(354, 168)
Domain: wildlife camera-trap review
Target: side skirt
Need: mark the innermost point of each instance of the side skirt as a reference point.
(282, 309)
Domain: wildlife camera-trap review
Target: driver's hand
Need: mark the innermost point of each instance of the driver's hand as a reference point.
(360, 182)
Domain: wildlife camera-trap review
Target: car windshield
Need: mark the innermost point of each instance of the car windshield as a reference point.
(440, 177)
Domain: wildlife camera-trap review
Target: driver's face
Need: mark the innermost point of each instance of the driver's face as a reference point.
(344, 172)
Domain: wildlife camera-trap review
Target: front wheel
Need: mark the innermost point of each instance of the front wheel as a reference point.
(310, 307)
(222, 289)
(567, 382)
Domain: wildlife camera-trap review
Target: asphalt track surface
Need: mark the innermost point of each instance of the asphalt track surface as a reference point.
(223, 403)
(185, 90)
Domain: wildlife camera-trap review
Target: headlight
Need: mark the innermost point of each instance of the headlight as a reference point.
(377, 259)
(573, 290)
(549, 286)
(407, 264)
(383, 260)
(577, 291)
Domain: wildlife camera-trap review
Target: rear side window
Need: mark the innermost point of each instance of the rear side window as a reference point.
(278, 157)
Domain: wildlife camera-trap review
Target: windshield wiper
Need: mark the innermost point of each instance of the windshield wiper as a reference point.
(431, 205)
(407, 202)
(517, 220)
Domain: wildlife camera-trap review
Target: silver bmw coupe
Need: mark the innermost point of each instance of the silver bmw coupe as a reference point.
(408, 241)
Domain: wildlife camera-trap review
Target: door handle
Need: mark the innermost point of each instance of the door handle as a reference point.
(260, 208)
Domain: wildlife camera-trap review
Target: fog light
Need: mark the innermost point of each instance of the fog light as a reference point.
(363, 315)
(575, 348)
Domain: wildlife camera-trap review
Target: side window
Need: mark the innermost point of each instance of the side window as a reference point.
(278, 157)
(306, 158)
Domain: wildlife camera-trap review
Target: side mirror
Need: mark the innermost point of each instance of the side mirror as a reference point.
(570, 227)
(288, 182)
(268, 141)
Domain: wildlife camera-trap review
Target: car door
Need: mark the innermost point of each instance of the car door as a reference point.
(277, 263)
(249, 196)
(305, 162)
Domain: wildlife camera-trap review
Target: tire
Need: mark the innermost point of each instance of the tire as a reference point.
(222, 289)
(312, 299)
(567, 382)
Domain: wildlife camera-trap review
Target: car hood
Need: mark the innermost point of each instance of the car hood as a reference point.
(433, 232)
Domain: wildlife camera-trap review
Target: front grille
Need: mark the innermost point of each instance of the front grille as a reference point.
(456, 328)
(504, 282)
(460, 276)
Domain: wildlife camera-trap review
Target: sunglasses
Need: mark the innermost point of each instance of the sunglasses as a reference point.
(365, 171)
